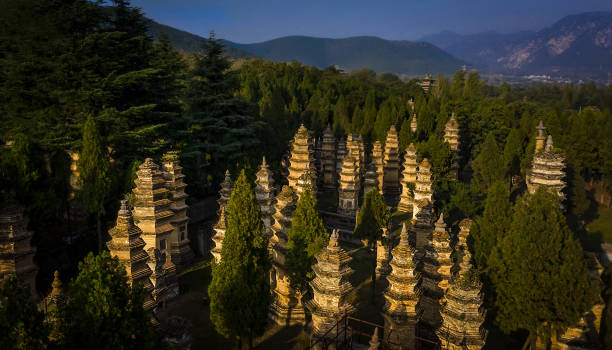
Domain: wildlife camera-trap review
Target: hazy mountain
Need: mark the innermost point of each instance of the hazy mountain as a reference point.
(188, 42)
(577, 45)
(403, 57)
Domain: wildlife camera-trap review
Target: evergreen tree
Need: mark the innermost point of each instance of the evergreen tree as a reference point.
(493, 224)
(369, 115)
(357, 120)
(239, 291)
(540, 278)
(578, 201)
(94, 174)
(373, 217)
(305, 238)
(103, 311)
(21, 324)
(383, 122)
(405, 135)
(221, 122)
(342, 122)
(458, 84)
(513, 152)
(488, 165)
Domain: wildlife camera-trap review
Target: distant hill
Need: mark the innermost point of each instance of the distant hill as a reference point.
(402, 57)
(575, 46)
(188, 42)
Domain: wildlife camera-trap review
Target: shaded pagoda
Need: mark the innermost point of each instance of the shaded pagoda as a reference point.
(180, 250)
(413, 123)
(437, 265)
(422, 225)
(264, 194)
(226, 190)
(383, 254)
(422, 188)
(348, 193)
(286, 308)
(547, 170)
(378, 160)
(340, 154)
(302, 161)
(371, 179)
(391, 166)
(153, 215)
(354, 147)
(451, 136)
(16, 252)
(463, 312)
(401, 311)
(409, 176)
(330, 287)
(127, 245)
(328, 159)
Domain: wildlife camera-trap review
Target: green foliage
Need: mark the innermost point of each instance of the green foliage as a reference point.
(21, 324)
(606, 322)
(513, 152)
(491, 227)
(533, 267)
(239, 291)
(405, 135)
(103, 311)
(373, 217)
(488, 165)
(305, 239)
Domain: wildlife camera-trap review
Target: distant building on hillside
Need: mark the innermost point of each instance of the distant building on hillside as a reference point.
(340, 69)
(427, 82)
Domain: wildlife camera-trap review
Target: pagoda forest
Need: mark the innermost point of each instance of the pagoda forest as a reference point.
(84, 78)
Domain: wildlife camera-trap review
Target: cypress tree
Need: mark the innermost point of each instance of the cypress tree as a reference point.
(306, 237)
(513, 152)
(357, 120)
(405, 135)
(239, 291)
(342, 122)
(373, 216)
(94, 171)
(369, 115)
(488, 165)
(493, 224)
(538, 271)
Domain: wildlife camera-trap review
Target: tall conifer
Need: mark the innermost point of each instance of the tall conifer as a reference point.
(239, 291)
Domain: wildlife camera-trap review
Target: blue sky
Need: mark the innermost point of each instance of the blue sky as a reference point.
(249, 21)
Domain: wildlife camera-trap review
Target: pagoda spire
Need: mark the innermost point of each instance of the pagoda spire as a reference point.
(401, 311)
(226, 190)
(302, 172)
(391, 166)
(409, 176)
(348, 194)
(264, 193)
(219, 235)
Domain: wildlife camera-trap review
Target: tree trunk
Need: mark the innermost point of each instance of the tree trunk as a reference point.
(99, 230)
(250, 340)
(527, 343)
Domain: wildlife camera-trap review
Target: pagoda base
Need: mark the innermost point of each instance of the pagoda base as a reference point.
(402, 334)
(286, 315)
(182, 253)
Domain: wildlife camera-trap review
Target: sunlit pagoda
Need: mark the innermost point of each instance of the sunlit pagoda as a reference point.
(401, 311)
(409, 176)
(451, 136)
(127, 245)
(391, 164)
(226, 190)
(413, 123)
(340, 154)
(286, 307)
(330, 287)
(422, 189)
(302, 172)
(548, 170)
(383, 254)
(348, 193)
(219, 229)
(16, 252)
(264, 193)
(463, 312)
(180, 250)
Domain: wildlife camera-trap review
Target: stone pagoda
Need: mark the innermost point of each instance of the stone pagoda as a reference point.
(180, 250)
(463, 314)
(378, 160)
(383, 254)
(226, 190)
(286, 308)
(422, 188)
(219, 235)
(348, 193)
(541, 137)
(330, 287)
(302, 171)
(391, 165)
(264, 193)
(370, 179)
(354, 147)
(548, 170)
(401, 311)
(16, 252)
(451, 135)
(437, 265)
(153, 215)
(413, 123)
(127, 245)
(340, 154)
(409, 176)
(422, 225)
(328, 159)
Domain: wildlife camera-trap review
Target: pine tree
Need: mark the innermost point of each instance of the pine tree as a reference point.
(94, 174)
(21, 324)
(373, 217)
(383, 122)
(488, 165)
(239, 291)
(369, 115)
(513, 151)
(493, 224)
(342, 120)
(538, 271)
(306, 237)
(357, 120)
(405, 135)
(103, 306)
